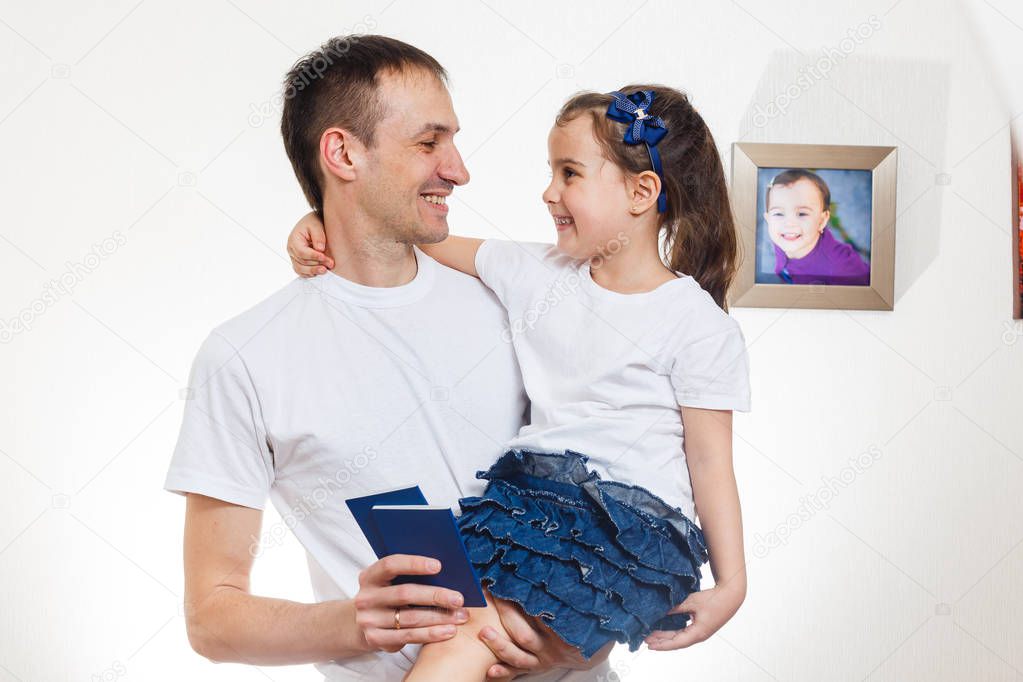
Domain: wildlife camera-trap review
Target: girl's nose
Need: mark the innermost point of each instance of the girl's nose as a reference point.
(550, 196)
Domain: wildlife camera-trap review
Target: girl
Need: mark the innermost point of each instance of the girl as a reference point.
(587, 519)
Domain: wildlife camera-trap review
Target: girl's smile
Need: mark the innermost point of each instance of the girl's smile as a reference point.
(563, 222)
(587, 196)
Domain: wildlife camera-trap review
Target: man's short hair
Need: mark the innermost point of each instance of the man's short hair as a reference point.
(337, 85)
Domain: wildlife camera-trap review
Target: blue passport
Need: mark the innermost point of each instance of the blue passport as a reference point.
(400, 522)
(361, 506)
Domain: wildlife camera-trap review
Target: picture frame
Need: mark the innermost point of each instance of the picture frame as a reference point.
(1017, 231)
(816, 225)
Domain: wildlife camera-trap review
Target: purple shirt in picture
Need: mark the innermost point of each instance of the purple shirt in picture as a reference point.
(830, 262)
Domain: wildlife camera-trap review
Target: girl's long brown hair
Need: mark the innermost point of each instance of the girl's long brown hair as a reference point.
(700, 237)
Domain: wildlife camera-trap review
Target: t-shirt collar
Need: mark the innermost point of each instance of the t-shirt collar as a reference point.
(380, 297)
(599, 292)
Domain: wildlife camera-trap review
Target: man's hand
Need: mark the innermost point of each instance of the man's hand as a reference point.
(377, 600)
(531, 647)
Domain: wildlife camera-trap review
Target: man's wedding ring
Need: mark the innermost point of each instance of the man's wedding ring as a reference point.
(397, 619)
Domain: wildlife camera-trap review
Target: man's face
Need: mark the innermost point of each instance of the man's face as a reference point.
(414, 163)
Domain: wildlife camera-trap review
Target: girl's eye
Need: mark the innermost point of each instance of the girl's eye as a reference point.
(569, 172)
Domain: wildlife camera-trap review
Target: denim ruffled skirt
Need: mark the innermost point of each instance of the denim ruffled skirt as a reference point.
(596, 560)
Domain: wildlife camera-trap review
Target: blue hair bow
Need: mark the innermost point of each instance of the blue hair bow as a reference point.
(642, 128)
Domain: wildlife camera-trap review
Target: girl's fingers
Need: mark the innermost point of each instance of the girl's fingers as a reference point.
(661, 634)
(307, 270)
(306, 253)
(689, 604)
(317, 235)
(676, 640)
(296, 241)
(507, 651)
(322, 260)
(306, 239)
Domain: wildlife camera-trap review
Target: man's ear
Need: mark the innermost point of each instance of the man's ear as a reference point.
(643, 190)
(339, 153)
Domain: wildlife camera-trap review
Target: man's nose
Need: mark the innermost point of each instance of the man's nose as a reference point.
(454, 170)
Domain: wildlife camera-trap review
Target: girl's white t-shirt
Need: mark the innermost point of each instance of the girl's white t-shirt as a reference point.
(606, 373)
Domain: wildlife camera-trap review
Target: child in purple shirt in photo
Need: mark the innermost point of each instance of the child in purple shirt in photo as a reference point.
(805, 252)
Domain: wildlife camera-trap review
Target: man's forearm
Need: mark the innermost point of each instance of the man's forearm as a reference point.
(234, 626)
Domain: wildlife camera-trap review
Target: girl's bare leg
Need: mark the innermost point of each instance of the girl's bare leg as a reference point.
(464, 657)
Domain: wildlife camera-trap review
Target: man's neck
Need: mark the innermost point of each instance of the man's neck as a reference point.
(362, 256)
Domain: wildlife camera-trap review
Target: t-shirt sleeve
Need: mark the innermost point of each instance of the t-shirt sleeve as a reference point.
(513, 270)
(222, 449)
(712, 372)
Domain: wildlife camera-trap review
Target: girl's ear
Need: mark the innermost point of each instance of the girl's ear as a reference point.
(643, 191)
(339, 153)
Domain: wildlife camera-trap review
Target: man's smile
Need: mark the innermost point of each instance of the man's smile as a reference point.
(437, 202)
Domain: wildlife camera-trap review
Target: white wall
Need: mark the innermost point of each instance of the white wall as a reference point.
(153, 125)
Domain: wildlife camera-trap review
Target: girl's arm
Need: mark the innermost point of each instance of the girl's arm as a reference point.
(307, 243)
(709, 455)
(455, 252)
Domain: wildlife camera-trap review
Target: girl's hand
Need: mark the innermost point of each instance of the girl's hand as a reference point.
(530, 647)
(306, 246)
(710, 610)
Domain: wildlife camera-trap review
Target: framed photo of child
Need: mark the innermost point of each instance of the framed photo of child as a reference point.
(1017, 241)
(817, 225)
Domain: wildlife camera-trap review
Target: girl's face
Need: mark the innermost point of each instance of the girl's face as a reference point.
(588, 195)
(796, 217)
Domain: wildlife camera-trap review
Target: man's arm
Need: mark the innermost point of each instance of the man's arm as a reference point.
(225, 622)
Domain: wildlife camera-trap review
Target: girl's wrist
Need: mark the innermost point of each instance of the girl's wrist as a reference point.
(735, 582)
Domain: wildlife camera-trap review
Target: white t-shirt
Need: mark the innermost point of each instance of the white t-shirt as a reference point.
(606, 372)
(329, 389)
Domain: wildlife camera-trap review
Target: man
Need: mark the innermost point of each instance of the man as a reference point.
(390, 369)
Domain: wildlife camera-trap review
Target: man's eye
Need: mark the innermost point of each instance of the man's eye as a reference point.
(432, 143)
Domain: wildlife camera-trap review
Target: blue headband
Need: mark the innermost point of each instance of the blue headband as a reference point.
(642, 127)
